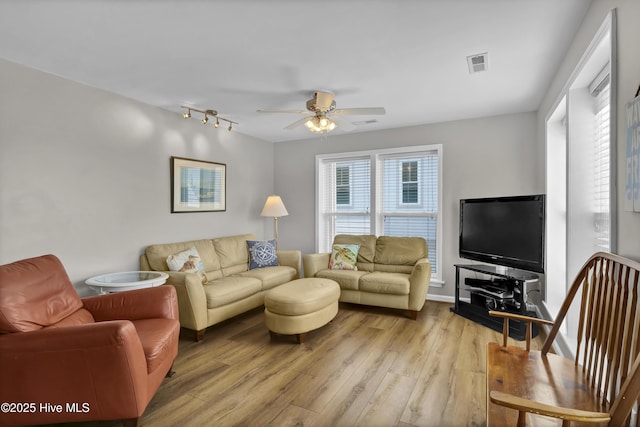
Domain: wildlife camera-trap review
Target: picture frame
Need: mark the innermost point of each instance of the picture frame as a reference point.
(198, 186)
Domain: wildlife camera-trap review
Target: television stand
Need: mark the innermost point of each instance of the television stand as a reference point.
(505, 291)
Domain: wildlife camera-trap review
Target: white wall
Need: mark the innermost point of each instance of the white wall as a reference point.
(84, 174)
(492, 156)
(628, 37)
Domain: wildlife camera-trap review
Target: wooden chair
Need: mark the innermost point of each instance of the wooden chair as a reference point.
(602, 384)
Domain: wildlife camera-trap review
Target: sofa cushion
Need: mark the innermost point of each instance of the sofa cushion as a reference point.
(262, 253)
(392, 268)
(230, 289)
(271, 276)
(233, 253)
(385, 283)
(157, 254)
(347, 279)
(392, 250)
(344, 257)
(367, 251)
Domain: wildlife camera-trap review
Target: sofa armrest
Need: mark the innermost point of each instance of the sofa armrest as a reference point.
(192, 301)
(84, 363)
(419, 281)
(312, 263)
(151, 303)
(292, 259)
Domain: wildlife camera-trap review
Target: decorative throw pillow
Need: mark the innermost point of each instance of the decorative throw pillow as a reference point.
(187, 261)
(262, 253)
(344, 257)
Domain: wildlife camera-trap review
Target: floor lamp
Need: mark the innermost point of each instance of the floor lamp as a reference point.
(275, 208)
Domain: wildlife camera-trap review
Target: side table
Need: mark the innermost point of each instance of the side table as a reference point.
(126, 281)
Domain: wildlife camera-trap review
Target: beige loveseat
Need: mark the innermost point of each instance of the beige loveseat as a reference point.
(391, 272)
(228, 287)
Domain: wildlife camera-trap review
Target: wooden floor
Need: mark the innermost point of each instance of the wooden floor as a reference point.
(369, 367)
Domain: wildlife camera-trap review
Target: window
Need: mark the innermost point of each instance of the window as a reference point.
(343, 189)
(580, 197)
(384, 192)
(600, 90)
(410, 182)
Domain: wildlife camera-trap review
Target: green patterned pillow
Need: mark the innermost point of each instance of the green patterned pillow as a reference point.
(343, 257)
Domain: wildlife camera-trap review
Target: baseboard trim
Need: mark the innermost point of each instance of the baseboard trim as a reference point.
(441, 298)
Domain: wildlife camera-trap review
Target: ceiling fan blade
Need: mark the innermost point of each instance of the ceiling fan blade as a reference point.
(359, 111)
(343, 124)
(284, 111)
(297, 123)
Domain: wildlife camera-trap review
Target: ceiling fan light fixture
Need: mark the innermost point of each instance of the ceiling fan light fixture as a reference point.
(320, 124)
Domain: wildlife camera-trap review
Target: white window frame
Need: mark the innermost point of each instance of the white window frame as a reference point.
(377, 221)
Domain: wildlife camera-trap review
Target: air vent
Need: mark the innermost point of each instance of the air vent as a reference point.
(365, 122)
(477, 63)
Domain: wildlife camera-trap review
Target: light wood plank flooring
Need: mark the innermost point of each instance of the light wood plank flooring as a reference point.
(369, 367)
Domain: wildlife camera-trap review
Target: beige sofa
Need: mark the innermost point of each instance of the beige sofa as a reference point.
(392, 272)
(228, 287)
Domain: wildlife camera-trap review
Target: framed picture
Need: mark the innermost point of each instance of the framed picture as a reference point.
(198, 186)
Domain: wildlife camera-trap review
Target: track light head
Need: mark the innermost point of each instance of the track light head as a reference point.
(229, 128)
(187, 114)
(217, 123)
(205, 120)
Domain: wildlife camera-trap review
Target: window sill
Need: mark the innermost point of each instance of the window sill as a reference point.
(436, 283)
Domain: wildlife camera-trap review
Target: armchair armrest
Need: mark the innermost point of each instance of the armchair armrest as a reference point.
(525, 405)
(312, 263)
(505, 328)
(84, 363)
(419, 281)
(291, 258)
(151, 303)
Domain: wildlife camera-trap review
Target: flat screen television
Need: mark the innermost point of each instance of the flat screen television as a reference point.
(506, 231)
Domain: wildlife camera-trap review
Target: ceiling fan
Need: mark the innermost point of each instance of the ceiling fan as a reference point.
(325, 117)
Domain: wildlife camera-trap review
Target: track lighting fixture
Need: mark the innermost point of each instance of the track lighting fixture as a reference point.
(207, 113)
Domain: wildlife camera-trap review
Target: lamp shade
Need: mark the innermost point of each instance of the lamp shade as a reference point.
(274, 207)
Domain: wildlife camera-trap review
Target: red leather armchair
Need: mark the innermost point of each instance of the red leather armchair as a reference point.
(67, 359)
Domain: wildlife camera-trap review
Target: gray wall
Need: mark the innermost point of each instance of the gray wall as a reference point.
(492, 156)
(84, 174)
(628, 36)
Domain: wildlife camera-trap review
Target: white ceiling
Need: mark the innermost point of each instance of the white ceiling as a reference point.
(237, 56)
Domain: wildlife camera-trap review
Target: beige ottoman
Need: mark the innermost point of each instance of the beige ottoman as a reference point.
(300, 306)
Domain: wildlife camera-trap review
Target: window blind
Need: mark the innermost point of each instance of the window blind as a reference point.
(410, 198)
(602, 221)
(345, 202)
